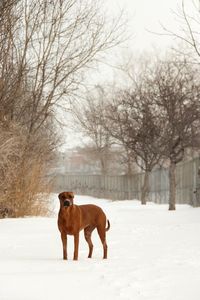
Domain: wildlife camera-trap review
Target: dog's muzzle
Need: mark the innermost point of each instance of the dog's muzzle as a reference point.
(66, 203)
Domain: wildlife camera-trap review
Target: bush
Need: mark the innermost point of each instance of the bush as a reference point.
(22, 173)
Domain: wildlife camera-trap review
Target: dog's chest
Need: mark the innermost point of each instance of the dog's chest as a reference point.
(68, 222)
(68, 225)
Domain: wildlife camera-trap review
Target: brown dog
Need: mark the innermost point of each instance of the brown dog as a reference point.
(73, 218)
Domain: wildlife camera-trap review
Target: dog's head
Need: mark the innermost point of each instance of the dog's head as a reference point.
(66, 199)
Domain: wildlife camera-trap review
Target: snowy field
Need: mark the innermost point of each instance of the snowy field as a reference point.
(153, 254)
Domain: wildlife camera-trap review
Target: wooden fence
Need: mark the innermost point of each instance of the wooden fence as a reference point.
(129, 187)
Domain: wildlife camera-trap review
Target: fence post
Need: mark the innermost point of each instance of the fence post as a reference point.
(129, 186)
(195, 199)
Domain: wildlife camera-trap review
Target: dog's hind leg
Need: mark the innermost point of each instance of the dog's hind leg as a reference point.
(87, 233)
(102, 235)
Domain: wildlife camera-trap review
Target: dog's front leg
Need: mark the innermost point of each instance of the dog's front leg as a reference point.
(76, 243)
(64, 242)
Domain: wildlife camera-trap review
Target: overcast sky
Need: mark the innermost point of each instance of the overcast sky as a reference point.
(145, 20)
(146, 15)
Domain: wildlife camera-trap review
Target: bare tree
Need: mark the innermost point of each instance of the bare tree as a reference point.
(188, 18)
(175, 96)
(45, 48)
(90, 119)
(130, 120)
(89, 116)
(158, 117)
(52, 43)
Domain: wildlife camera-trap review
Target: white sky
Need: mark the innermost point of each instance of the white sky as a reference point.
(144, 16)
(147, 15)
(144, 25)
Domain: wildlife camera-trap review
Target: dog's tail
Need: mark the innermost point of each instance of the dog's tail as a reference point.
(107, 228)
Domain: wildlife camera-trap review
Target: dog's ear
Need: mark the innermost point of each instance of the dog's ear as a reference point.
(71, 197)
(60, 196)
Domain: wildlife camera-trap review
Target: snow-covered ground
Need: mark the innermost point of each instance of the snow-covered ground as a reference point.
(153, 254)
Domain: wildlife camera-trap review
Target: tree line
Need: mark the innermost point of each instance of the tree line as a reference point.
(46, 48)
(156, 118)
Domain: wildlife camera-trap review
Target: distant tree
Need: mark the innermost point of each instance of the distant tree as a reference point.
(89, 120)
(130, 120)
(174, 93)
(158, 117)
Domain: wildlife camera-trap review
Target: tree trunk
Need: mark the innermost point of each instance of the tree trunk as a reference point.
(172, 186)
(104, 166)
(145, 188)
